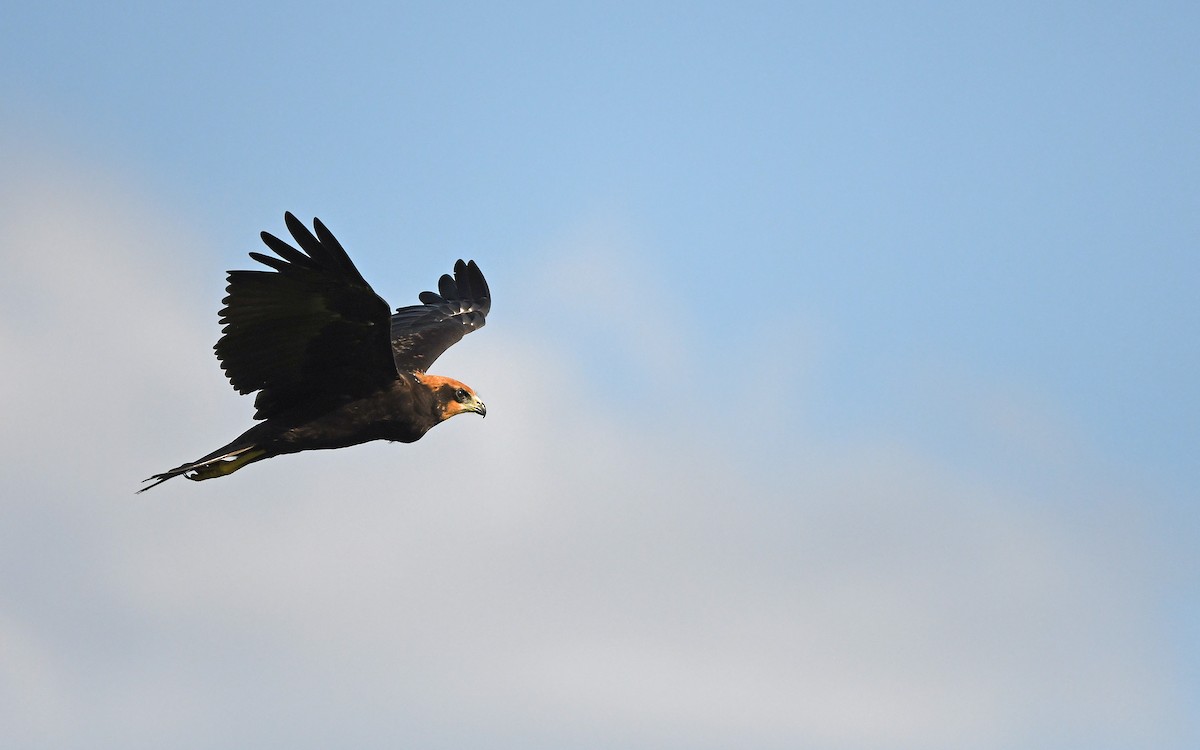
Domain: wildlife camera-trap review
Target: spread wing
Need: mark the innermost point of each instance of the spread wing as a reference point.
(311, 330)
(420, 333)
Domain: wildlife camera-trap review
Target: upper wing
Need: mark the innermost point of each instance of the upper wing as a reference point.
(420, 333)
(310, 330)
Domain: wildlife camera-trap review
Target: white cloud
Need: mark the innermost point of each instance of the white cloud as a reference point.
(555, 577)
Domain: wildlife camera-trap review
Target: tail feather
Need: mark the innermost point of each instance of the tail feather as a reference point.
(217, 464)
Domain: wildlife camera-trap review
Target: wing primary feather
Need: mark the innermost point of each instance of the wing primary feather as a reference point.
(286, 251)
(267, 260)
(336, 251)
(304, 238)
(479, 287)
(462, 277)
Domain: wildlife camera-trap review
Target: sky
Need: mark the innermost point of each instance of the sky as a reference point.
(841, 376)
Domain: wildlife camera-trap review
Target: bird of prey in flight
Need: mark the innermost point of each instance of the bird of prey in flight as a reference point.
(332, 364)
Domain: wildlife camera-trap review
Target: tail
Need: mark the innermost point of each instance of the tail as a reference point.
(217, 464)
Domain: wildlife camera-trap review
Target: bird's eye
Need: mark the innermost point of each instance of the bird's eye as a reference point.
(461, 396)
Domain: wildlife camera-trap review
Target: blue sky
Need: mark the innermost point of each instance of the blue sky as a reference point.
(820, 314)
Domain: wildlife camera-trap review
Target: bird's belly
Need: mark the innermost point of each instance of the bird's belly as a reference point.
(351, 424)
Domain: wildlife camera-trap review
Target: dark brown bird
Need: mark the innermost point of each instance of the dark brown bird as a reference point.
(332, 365)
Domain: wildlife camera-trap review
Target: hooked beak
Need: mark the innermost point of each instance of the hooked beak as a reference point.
(479, 408)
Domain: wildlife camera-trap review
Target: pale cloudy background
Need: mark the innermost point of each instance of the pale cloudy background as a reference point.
(841, 377)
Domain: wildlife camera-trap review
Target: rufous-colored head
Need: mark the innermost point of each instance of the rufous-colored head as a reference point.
(452, 397)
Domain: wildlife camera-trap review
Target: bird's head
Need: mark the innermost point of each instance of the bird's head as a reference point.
(451, 397)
